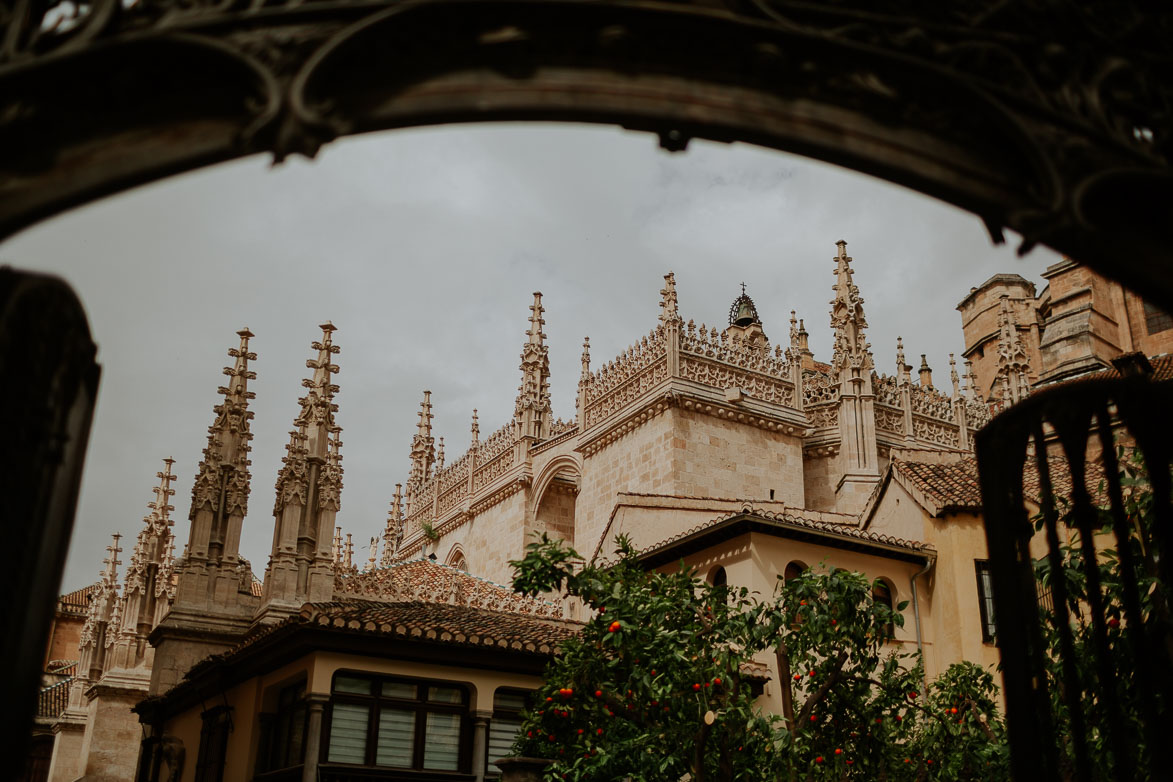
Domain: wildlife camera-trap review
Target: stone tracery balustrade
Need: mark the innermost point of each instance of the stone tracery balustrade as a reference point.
(890, 419)
(824, 414)
(736, 351)
(817, 388)
(629, 363)
(933, 431)
(887, 390)
(931, 403)
(445, 586)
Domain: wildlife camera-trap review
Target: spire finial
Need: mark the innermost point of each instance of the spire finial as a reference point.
(338, 545)
(954, 378)
(476, 427)
(536, 321)
(531, 412)
(161, 507)
(439, 456)
(925, 372)
(373, 559)
(902, 368)
(422, 447)
(110, 572)
(669, 308)
(586, 356)
(847, 318)
(316, 417)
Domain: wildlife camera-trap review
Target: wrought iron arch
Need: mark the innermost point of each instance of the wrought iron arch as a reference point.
(1048, 119)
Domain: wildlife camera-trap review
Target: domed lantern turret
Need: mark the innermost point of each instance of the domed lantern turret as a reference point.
(744, 322)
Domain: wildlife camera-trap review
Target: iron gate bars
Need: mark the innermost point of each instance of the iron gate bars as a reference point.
(1088, 672)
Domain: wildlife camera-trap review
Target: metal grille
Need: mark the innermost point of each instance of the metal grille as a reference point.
(1081, 576)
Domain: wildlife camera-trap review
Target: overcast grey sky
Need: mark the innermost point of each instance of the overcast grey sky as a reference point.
(424, 247)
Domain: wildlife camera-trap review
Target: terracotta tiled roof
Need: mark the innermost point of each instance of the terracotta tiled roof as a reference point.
(78, 601)
(257, 587)
(955, 487)
(790, 519)
(1162, 370)
(438, 623)
(424, 580)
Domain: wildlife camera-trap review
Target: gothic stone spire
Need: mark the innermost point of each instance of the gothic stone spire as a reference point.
(531, 414)
(101, 613)
(669, 308)
(221, 488)
(1011, 378)
(847, 318)
(309, 491)
(145, 598)
(851, 366)
(422, 448)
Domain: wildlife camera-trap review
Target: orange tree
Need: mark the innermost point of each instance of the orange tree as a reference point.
(661, 685)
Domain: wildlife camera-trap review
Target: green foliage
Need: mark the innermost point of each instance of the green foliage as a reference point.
(660, 683)
(429, 531)
(1139, 511)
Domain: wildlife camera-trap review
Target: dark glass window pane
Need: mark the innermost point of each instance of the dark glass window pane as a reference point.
(445, 695)
(352, 684)
(510, 699)
(399, 690)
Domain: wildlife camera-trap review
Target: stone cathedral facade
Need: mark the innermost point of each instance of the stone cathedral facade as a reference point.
(693, 429)
(687, 411)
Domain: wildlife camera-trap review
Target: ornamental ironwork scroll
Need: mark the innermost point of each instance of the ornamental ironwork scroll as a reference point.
(1051, 119)
(1079, 524)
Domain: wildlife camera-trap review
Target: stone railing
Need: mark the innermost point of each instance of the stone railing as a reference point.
(977, 414)
(445, 586)
(890, 419)
(887, 390)
(734, 351)
(931, 403)
(817, 388)
(633, 387)
(934, 431)
(618, 373)
(823, 414)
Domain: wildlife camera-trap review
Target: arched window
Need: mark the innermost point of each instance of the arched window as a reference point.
(717, 577)
(793, 570)
(882, 593)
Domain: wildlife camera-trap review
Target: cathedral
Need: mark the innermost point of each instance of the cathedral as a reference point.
(742, 457)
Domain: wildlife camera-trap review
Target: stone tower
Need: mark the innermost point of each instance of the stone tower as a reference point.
(851, 368)
(214, 603)
(309, 490)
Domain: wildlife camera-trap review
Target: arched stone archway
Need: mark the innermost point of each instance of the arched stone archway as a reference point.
(1048, 120)
(555, 497)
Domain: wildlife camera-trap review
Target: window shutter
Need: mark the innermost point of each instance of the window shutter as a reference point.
(442, 742)
(502, 731)
(396, 738)
(348, 733)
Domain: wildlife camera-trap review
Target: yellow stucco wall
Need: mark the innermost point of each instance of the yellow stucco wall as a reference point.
(259, 695)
